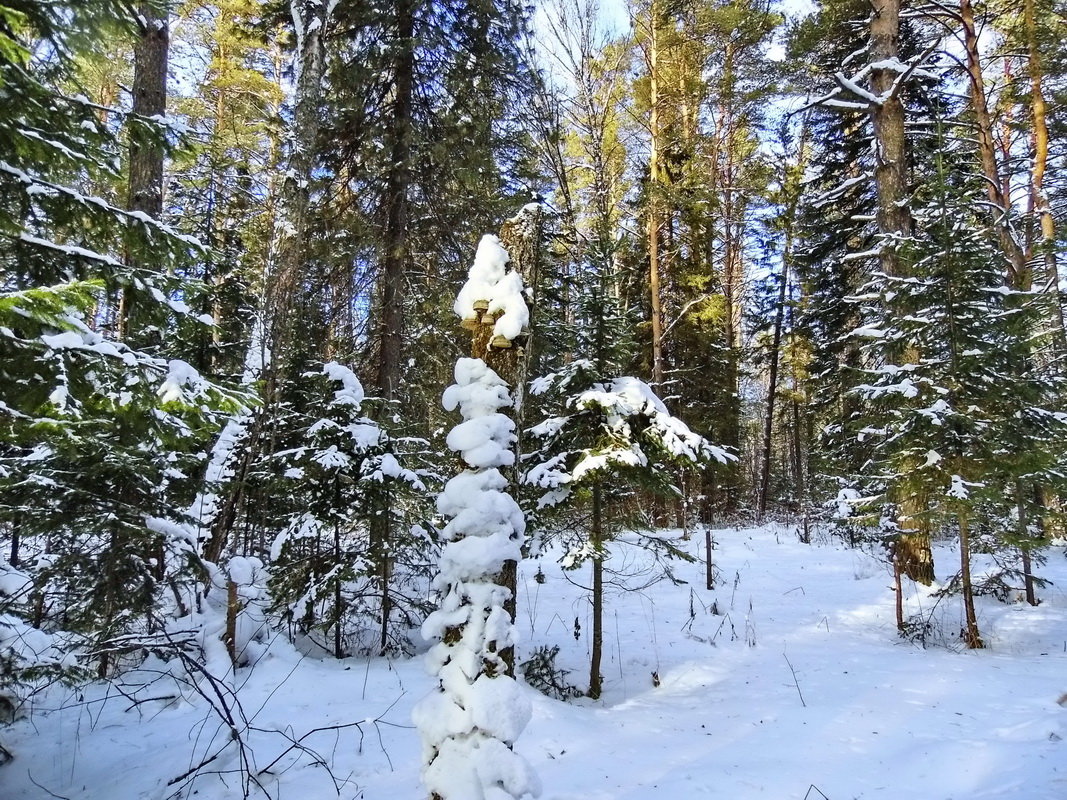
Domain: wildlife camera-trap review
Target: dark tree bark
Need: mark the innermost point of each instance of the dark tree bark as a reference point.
(395, 256)
(149, 101)
(772, 391)
(970, 633)
(596, 539)
(394, 265)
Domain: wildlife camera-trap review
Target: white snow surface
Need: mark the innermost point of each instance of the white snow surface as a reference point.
(490, 280)
(881, 718)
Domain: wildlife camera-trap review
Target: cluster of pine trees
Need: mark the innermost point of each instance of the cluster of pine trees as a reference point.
(231, 233)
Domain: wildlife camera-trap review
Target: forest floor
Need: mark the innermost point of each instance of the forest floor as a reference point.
(788, 681)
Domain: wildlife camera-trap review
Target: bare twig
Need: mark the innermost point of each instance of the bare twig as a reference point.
(797, 684)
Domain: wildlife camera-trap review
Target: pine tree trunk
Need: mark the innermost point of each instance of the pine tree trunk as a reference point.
(395, 261)
(916, 557)
(890, 169)
(791, 185)
(395, 256)
(596, 540)
(654, 221)
(894, 221)
(149, 101)
(1038, 197)
(1020, 275)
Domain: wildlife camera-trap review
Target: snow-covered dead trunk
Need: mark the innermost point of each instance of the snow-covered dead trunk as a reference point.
(469, 724)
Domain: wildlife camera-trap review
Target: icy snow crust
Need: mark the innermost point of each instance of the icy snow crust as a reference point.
(490, 281)
(470, 722)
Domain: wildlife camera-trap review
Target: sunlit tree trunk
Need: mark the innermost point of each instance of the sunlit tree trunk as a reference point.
(1020, 275)
(149, 102)
(894, 223)
(1038, 197)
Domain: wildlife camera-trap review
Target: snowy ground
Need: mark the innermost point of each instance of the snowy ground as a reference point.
(867, 716)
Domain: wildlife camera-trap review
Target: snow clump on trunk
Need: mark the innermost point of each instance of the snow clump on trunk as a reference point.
(470, 722)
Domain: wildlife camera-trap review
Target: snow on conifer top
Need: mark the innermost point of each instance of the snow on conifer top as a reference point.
(489, 280)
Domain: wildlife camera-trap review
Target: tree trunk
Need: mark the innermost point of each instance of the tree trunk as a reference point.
(898, 593)
(791, 187)
(1038, 198)
(709, 562)
(521, 237)
(772, 387)
(395, 255)
(596, 539)
(16, 540)
(338, 598)
(287, 254)
(971, 636)
(890, 169)
(229, 635)
(1020, 276)
(1022, 530)
(894, 223)
(148, 102)
(654, 221)
(394, 265)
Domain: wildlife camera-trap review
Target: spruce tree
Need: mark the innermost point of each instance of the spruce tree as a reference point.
(99, 441)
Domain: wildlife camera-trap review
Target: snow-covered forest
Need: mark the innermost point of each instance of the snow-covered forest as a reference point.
(483, 401)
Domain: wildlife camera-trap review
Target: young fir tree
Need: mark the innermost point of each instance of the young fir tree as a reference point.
(99, 441)
(959, 428)
(344, 472)
(609, 430)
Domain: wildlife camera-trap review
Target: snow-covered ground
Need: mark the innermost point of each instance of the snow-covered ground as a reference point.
(786, 681)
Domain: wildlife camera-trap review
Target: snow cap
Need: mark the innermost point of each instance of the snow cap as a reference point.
(490, 281)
